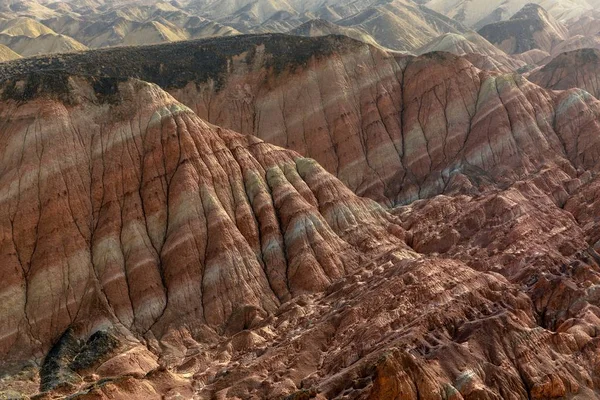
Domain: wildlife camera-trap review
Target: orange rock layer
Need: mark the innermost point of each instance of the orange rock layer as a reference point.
(146, 253)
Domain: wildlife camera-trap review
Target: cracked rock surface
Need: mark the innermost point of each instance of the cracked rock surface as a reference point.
(391, 127)
(147, 254)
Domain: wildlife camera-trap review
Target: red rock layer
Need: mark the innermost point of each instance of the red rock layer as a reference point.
(130, 211)
(393, 128)
(397, 129)
(148, 254)
(574, 69)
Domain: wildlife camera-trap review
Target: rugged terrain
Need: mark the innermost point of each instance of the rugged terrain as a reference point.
(476, 49)
(575, 69)
(529, 29)
(478, 13)
(394, 128)
(530, 33)
(166, 225)
(397, 24)
(149, 251)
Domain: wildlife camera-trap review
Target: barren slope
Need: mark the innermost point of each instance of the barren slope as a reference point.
(530, 28)
(385, 135)
(475, 48)
(44, 44)
(319, 27)
(167, 224)
(6, 54)
(575, 69)
(146, 253)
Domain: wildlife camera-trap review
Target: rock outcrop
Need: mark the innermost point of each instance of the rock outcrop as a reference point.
(145, 209)
(530, 28)
(575, 69)
(146, 253)
(391, 127)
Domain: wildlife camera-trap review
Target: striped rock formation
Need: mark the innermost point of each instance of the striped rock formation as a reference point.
(148, 254)
(397, 128)
(574, 69)
(391, 127)
(122, 208)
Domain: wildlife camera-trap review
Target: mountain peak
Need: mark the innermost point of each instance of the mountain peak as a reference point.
(531, 11)
(530, 28)
(573, 69)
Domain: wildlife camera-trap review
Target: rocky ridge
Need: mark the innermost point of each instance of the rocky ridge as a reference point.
(320, 27)
(530, 28)
(575, 69)
(476, 14)
(398, 24)
(476, 49)
(378, 136)
(195, 261)
(167, 225)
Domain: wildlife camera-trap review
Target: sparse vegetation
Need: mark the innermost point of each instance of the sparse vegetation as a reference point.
(171, 65)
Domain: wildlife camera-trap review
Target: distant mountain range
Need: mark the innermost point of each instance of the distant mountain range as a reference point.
(29, 27)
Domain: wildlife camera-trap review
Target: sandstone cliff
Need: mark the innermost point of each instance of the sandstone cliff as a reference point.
(149, 254)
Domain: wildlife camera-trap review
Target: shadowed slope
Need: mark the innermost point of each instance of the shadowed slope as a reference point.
(163, 219)
(530, 28)
(574, 69)
(393, 128)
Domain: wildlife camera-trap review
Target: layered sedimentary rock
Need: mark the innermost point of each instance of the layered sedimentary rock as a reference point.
(409, 130)
(124, 211)
(530, 28)
(575, 69)
(144, 224)
(476, 49)
(391, 127)
(146, 253)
